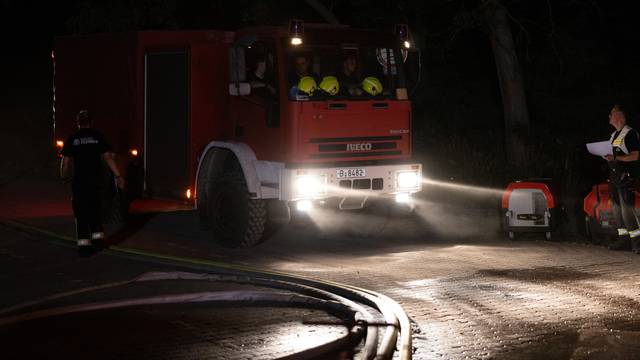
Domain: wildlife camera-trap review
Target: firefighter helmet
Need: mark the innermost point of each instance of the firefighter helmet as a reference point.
(330, 85)
(307, 85)
(372, 85)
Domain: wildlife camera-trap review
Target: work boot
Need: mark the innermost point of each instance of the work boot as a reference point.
(97, 239)
(85, 248)
(622, 242)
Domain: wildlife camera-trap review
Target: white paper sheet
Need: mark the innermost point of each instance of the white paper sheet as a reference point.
(600, 148)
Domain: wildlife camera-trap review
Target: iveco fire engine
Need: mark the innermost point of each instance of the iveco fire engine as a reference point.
(220, 118)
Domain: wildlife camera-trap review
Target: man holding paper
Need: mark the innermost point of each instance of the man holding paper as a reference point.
(623, 166)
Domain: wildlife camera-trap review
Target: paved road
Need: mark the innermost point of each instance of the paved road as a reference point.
(476, 297)
(33, 269)
(470, 292)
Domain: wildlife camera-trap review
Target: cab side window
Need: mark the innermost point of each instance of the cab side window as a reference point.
(261, 69)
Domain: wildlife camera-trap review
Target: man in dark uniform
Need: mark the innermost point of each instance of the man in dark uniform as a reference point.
(86, 149)
(348, 77)
(623, 165)
(302, 68)
(261, 79)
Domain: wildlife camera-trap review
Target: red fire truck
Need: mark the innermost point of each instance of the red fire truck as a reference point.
(218, 118)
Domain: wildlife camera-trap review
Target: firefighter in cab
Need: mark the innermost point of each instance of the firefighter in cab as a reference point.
(623, 173)
(82, 162)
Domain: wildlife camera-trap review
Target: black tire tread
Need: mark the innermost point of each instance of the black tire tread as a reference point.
(256, 213)
(257, 223)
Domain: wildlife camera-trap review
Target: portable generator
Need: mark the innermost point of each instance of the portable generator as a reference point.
(528, 207)
(600, 222)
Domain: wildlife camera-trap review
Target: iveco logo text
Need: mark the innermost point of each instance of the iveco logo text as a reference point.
(359, 147)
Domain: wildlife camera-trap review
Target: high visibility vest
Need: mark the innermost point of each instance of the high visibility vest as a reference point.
(618, 142)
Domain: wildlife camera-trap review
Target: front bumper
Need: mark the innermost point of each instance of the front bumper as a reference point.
(323, 183)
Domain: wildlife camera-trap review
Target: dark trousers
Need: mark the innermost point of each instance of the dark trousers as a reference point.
(622, 192)
(87, 209)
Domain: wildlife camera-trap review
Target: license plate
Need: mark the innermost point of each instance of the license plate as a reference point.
(351, 173)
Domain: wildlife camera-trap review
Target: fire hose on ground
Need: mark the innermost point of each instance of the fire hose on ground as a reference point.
(330, 296)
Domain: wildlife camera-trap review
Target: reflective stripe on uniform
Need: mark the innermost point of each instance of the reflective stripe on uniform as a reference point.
(622, 232)
(618, 141)
(634, 233)
(84, 242)
(97, 235)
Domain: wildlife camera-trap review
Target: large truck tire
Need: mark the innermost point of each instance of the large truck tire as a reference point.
(236, 220)
(216, 163)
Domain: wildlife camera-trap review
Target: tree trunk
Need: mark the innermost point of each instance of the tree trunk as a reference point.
(516, 116)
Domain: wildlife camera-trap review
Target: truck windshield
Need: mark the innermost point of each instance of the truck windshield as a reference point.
(344, 71)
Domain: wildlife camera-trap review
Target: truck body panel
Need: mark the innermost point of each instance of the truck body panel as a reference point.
(108, 75)
(351, 131)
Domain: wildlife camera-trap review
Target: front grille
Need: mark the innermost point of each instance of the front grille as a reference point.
(377, 184)
(358, 147)
(362, 184)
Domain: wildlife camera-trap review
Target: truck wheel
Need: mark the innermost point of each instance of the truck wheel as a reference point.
(512, 236)
(236, 220)
(547, 235)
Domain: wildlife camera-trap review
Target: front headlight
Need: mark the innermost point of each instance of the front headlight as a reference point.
(311, 185)
(407, 179)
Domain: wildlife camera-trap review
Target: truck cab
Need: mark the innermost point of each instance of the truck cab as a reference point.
(285, 124)
(309, 145)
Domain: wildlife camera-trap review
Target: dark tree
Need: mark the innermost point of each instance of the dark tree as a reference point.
(516, 115)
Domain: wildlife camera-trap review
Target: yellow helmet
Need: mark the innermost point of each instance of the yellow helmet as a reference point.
(307, 85)
(330, 85)
(372, 85)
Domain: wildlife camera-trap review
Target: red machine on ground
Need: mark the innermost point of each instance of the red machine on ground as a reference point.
(216, 116)
(599, 219)
(529, 206)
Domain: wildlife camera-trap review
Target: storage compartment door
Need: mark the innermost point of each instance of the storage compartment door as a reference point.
(167, 124)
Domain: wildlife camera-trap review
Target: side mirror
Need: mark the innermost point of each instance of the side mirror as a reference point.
(239, 89)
